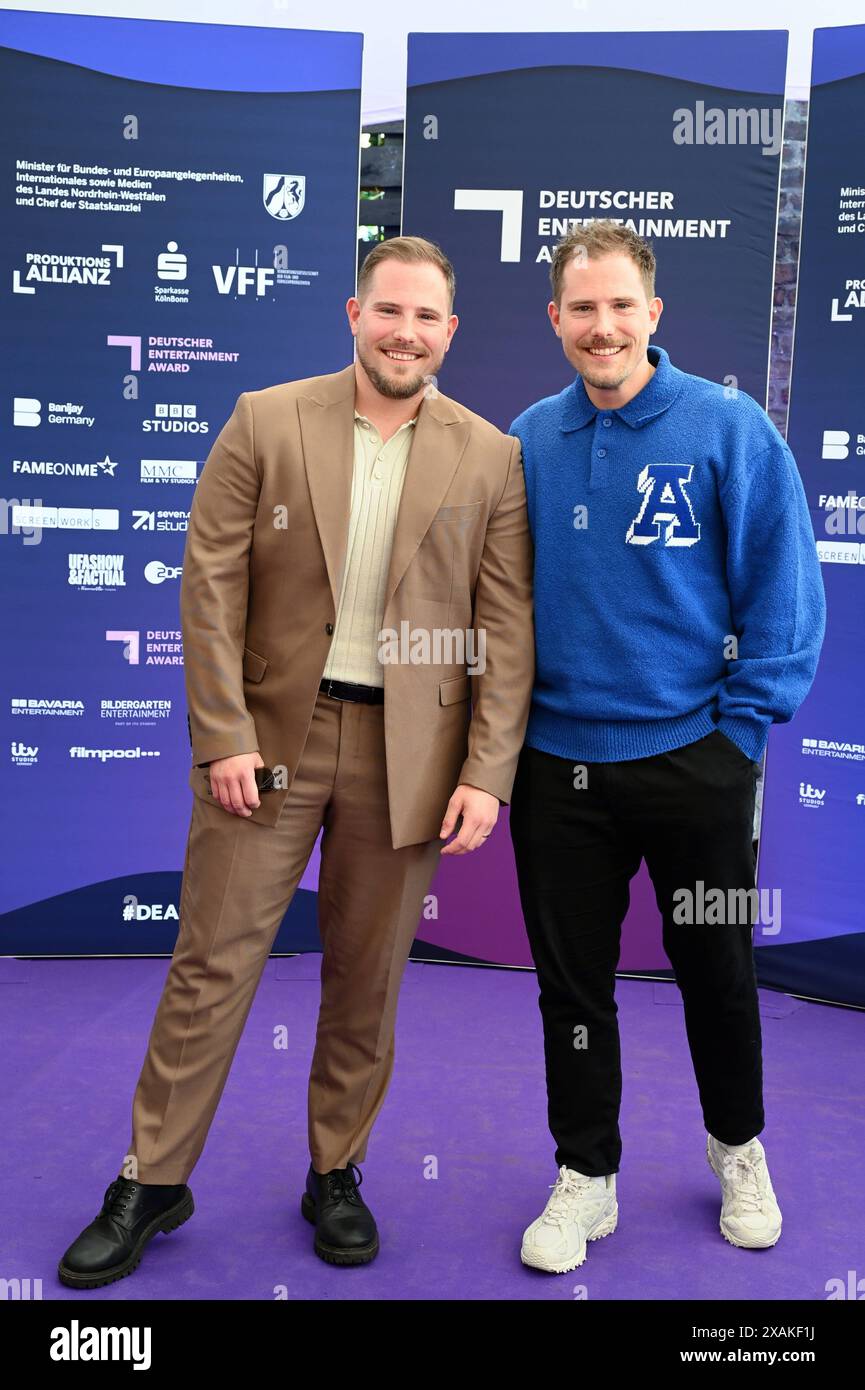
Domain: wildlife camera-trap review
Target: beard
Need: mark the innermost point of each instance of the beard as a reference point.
(609, 380)
(396, 389)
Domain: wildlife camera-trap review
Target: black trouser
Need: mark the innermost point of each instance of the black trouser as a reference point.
(689, 813)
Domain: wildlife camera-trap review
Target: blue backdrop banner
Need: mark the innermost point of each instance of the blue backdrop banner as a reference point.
(813, 840)
(179, 225)
(512, 139)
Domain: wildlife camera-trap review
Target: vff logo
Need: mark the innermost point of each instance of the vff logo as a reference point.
(241, 278)
(283, 195)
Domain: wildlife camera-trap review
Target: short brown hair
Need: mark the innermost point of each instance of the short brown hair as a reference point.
(602, 238)
(407, 249)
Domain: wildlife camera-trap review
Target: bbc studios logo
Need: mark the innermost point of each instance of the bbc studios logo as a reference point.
(171, 417)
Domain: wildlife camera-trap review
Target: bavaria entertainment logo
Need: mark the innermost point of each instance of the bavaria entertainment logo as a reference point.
(830, 748)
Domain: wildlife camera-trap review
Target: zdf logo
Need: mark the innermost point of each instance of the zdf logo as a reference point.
(156, 573)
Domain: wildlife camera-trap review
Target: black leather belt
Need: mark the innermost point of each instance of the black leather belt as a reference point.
(348, 690)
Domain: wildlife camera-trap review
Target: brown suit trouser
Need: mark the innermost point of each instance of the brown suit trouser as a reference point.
(238, 879)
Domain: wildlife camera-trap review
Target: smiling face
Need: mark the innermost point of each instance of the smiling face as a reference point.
(403, 326)
(605, 322)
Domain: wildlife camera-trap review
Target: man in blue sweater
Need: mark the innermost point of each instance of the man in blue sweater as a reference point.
(679, 612)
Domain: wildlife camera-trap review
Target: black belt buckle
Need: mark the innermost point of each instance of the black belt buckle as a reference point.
(370, 693)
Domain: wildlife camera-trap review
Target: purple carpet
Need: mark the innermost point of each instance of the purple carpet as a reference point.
(467, 1100)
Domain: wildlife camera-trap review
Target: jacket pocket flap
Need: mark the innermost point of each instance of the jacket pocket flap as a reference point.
(451, 691)
(254, 666)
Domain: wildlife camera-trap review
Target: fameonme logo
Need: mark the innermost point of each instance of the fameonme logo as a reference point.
(77, 1343)
(50, 468)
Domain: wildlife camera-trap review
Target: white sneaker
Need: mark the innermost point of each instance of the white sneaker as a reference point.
(581, 1208)
(750, 1214)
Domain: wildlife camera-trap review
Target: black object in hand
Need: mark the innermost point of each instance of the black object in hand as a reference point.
(264, 780)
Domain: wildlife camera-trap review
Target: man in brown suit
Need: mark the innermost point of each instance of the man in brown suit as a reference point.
(358, 545)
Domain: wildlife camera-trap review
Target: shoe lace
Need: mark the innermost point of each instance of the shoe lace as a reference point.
(118, 1195)
(568, 1190)
(747, 1181)
(343, 1184)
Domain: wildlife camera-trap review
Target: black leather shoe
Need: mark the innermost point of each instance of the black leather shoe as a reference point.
(345, 1229)
(111, 1246)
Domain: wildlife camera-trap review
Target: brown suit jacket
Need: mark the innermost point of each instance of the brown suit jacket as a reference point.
(262, 571)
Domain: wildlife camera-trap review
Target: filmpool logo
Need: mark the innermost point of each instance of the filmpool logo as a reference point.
(814, 797)
(101, 571)
(183, 471)
(163, 520)
(173, 418)
(53, 268)
(51, 468)
(105, 755)
(57, 709)
(29, 413)
(24, 754)
(832, 748)
(155, 572)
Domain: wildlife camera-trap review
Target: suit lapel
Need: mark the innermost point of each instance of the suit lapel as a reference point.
(327, 434)
(437, 447)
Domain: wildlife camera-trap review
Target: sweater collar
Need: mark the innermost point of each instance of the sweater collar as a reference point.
(657, 395)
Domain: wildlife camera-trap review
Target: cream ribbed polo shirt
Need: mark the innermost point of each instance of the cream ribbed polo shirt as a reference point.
(376, 488)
